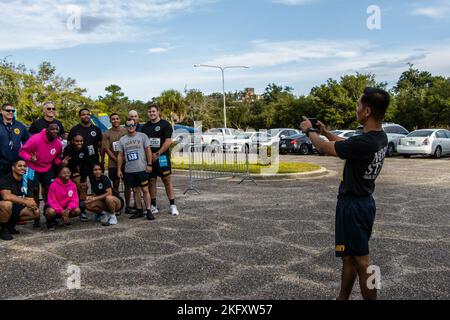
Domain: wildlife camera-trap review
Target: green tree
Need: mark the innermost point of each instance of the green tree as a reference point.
(173, 106)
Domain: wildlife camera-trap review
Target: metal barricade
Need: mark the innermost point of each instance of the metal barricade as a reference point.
(211, 163)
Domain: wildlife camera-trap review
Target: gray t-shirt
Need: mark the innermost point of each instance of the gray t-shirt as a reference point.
(133, 149)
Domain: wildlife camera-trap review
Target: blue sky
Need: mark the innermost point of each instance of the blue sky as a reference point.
(149, 46)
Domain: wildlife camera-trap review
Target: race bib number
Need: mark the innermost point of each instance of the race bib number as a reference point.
(91, 150)
(155, 142)
(163, 162)
(132, 156)
(116, 146)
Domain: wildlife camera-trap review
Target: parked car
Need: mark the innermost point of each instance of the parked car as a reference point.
(275, 135)
(394, 132)
(298, 144)
(240, 143)
(344, 133)
(215, 137)
(433, 142)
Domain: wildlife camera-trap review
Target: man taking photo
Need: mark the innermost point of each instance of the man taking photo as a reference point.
(355, 211)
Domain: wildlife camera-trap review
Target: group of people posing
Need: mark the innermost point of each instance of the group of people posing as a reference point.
(35, 162)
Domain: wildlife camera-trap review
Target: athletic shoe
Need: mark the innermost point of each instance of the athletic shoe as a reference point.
(21, 223)
(154, 210)
(12, 230)
(84, 217)
(137, 215)
(67, 224)
(51, 226)
(37, 223)
(105, 218)
(150, 215)
(5, 235)
(130, 210)
(97, 217)
(173, 210)
(113, 220)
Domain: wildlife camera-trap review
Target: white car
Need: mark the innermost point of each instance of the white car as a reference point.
(274, 136)
(433, 142)
(215, 137)
(344, 133)
(240, 143)
(394, 133)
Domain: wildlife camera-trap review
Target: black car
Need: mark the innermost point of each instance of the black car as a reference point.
(298, 143)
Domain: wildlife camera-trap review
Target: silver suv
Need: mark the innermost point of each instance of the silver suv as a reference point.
(394, 133)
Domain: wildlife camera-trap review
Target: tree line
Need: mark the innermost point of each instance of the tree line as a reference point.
(419, 100)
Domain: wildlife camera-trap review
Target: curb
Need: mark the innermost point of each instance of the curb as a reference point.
(284, 176)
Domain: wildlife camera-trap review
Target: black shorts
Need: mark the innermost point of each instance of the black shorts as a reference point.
(161, 171)
(112, 174)
(354, 221)
(136, 179)
(45, 179)
(16, 210)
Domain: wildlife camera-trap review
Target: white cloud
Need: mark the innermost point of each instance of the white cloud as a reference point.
(157, 50)
(436, 11)
(266, 54)
(44, 23)
(293, 2)
(386, 64)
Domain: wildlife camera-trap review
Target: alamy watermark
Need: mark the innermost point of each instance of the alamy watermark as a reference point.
(374, 281)
(73, 282)
(374, 19)
(73, 22)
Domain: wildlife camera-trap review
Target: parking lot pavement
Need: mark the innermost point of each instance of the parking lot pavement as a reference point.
(270, 241)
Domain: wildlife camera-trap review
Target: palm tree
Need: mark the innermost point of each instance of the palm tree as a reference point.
(173, 106)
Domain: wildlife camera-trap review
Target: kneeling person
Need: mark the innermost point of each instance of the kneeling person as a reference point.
(17, 202)
(103, 198)
(63, 201)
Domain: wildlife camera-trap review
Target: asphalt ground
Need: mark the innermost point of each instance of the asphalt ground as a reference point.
(273, 240)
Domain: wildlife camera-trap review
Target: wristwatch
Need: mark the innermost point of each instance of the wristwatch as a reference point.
(307, 132)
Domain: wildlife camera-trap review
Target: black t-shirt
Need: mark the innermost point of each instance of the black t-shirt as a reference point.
(17, 188)
(365, 155)
(79, 161)
(92, 137)
(40, 124)
(101, 185)
(158, 133)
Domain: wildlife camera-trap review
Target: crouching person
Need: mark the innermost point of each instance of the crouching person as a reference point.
(103, 202)
(63, 201)
(16, 200)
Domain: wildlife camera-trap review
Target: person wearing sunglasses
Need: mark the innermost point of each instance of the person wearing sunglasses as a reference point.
(49, 113)
(135, 152)
(13, 134)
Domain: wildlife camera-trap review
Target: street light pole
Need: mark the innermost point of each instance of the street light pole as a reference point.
(222, 69)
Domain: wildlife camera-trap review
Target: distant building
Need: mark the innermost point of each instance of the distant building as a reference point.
(250, 95)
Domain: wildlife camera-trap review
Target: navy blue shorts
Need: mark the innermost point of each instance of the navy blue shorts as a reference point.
(354, 221)
(136, 179)
(162, 167)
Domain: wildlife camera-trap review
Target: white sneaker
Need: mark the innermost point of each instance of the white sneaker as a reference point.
(105, 217)
(173, 210)
(113, 220)
(154, 210)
